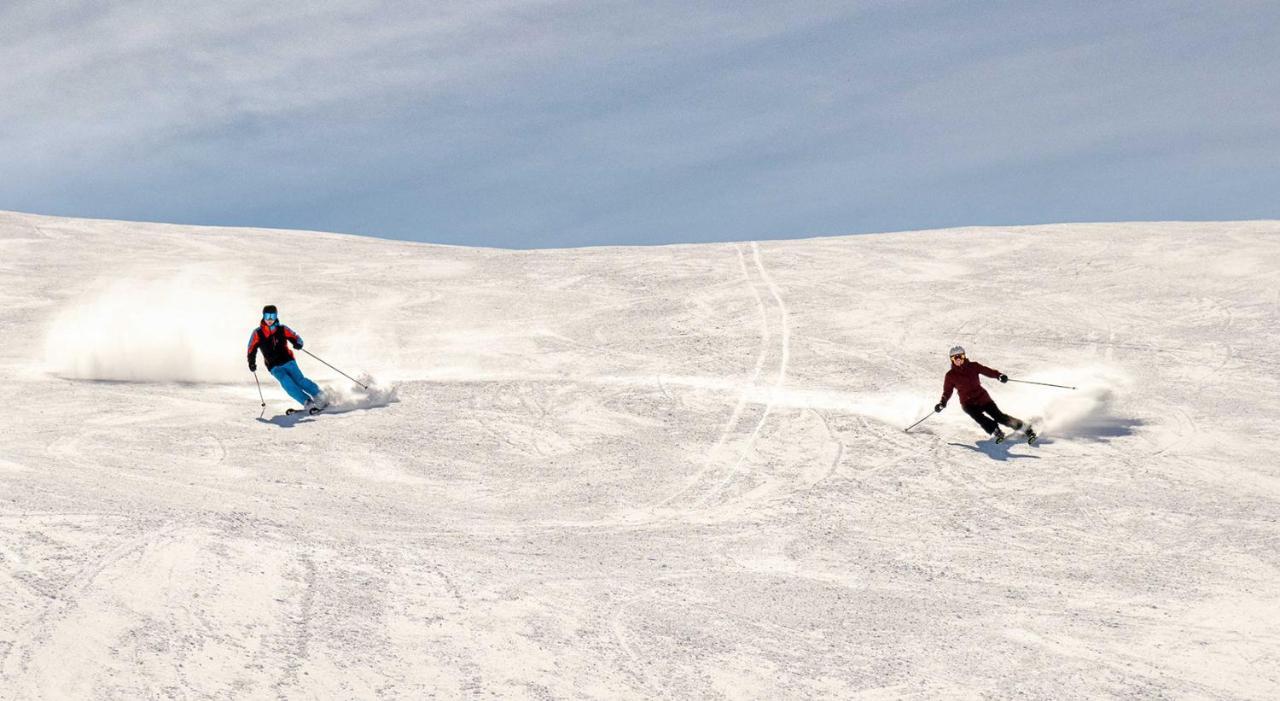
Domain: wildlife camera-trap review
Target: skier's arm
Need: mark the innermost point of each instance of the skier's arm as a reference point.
(947, 389)
(253, 351)
(293, 337)
(984, 370)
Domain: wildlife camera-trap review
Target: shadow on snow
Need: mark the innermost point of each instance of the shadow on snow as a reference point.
(288, 420)
(996, 451)
(298, 417)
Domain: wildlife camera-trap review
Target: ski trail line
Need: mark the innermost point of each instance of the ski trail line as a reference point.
(785, 325)
(618, 624)
(299, 627)
(736, 416)
(835, 462)
(31, 633)
(620, 634)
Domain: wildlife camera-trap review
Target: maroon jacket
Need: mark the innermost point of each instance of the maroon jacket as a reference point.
(964, 380)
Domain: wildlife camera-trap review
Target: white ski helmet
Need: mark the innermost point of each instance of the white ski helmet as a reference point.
(956, 350)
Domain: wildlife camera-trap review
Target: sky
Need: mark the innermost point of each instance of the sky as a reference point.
(540, 123)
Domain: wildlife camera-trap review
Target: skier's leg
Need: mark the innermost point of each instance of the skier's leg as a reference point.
(976, 414)
(307, 386)
(1003, 418)
(285, 378)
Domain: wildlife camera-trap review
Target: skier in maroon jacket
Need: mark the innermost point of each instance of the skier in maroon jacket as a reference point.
(963, 378)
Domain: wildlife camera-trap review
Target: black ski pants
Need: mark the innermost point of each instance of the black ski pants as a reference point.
(988, 415)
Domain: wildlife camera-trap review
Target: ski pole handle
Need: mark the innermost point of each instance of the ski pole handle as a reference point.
(1043, 384)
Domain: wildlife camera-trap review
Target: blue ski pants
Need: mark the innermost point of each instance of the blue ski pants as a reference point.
(294, 382)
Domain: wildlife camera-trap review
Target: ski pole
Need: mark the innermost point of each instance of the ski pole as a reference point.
(1045, 384)
(313, 355)
(260, 397)
(918, 422)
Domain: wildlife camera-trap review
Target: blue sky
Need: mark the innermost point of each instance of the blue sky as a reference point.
(541, 123)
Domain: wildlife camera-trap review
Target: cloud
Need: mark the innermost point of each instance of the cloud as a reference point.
(133, 68)
(554, 123)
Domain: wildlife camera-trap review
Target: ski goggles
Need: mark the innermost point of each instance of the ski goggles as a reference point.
(957, 355)
(269, 316)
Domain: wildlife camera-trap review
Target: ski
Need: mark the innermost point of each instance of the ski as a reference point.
(311, 411)
(307, 410)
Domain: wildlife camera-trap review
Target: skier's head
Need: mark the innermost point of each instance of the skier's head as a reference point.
(957, 355)
(270, 315)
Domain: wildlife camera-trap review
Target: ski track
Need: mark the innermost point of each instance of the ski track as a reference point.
(35, 630)
(617, 621)
(300, 628)
(777, 385)
(618, 625)
(735, 416)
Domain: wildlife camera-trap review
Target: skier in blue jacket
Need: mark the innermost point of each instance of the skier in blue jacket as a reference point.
(273, 339)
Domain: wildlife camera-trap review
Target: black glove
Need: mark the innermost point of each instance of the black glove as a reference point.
(253, 367)
(1003, 378)
(939, 407)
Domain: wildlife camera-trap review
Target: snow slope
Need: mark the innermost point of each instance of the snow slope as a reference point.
(640, 472)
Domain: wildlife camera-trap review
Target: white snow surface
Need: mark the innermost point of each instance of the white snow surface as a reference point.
(674, 472)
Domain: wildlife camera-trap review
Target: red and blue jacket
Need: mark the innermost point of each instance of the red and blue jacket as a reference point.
(964, 380)
(274, 342)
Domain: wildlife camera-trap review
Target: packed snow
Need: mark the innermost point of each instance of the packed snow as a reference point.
(674, 472)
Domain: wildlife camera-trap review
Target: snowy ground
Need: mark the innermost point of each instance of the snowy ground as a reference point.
(664, 472)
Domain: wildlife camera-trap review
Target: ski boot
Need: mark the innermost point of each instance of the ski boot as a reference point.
(1031, 436)
(315, 405)
(998, 435)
